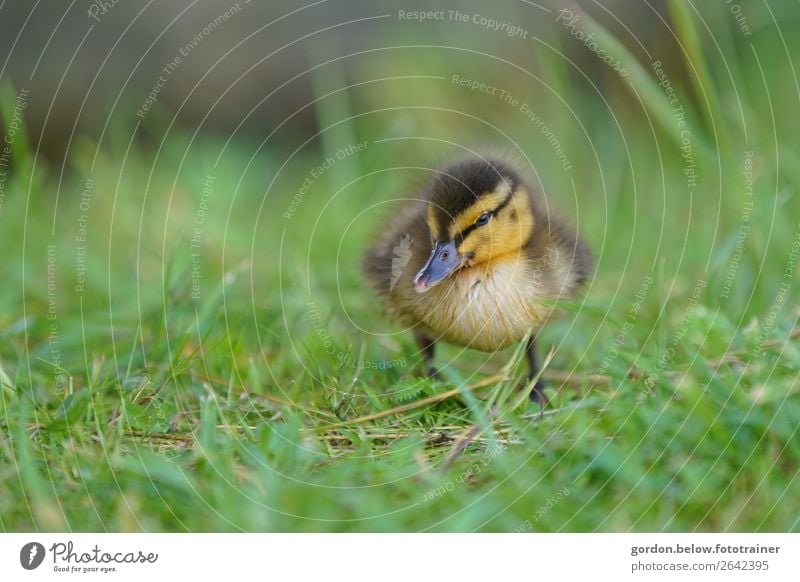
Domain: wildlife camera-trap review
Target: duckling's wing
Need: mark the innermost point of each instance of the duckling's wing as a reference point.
(559, 257)
(399, 252)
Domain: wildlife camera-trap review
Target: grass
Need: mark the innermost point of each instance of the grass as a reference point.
(223, 367)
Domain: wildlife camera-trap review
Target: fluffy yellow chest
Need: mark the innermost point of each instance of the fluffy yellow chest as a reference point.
(486, 307)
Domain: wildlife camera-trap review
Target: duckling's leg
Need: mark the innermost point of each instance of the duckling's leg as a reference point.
(426, 346)
(537, 394)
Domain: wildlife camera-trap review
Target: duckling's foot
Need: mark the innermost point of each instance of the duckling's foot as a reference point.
(427, 346)
(537, 394)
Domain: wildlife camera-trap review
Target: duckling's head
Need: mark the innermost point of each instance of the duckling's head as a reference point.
(478, 210)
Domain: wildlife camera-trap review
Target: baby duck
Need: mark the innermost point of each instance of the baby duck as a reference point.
(477, 262)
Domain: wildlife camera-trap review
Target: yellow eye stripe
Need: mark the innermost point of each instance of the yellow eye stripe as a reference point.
(470, 215)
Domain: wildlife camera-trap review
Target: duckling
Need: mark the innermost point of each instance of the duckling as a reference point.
(477, 261)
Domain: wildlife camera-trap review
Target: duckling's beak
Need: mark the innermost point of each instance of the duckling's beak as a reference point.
(443, 261)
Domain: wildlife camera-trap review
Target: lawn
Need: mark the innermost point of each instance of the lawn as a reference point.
(187, 343)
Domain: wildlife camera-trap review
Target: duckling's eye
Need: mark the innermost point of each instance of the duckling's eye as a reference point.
(483, 219)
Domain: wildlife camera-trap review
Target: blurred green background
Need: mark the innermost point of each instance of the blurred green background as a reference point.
(186, 191)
